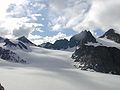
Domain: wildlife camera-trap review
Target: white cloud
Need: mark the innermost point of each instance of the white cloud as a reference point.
(68, 13)
(104, 14)
(85, 14)
(39, 39)
(17, 13)
(56, 27)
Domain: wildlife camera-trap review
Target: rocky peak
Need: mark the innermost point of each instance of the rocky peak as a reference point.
(82, 38)
(26, 41)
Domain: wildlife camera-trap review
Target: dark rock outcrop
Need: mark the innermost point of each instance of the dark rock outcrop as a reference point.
(112, 35)
(1, 87)
(82, 38)
(101, 58)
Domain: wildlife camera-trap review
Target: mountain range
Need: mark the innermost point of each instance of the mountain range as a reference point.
(76, 40)
(85, 37)
(98, 54)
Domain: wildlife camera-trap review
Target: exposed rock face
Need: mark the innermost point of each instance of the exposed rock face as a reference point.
(110, 34)
(100, 59)
(82, 38)
(10, 56)
(26, 41)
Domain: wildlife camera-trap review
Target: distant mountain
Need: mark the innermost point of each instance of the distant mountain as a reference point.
(26, 41)
(61, 44)
(82, 38)
(101, 59)
(112, 35)
(47, 45)
(76, 40)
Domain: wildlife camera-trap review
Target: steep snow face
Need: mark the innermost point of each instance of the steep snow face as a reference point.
(52, 70)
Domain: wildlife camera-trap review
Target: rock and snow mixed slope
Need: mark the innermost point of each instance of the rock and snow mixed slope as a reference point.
(52, 70)
(9, 46)
(102, 56)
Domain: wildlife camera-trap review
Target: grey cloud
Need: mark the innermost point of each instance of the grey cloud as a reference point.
(22, 31)
(3, 32)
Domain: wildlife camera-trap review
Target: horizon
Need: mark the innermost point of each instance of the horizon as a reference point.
(49, 20)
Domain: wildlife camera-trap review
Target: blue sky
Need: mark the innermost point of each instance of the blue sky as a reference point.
(49, 20)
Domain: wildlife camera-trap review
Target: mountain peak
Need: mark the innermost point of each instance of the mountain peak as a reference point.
(25, 40)
(82, 38)
(112, 35)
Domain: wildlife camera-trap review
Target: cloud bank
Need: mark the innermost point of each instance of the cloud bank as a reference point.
(43, 20)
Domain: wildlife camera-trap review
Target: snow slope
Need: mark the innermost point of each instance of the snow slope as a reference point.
(108, 43)
(104, 42)
(52, 70)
